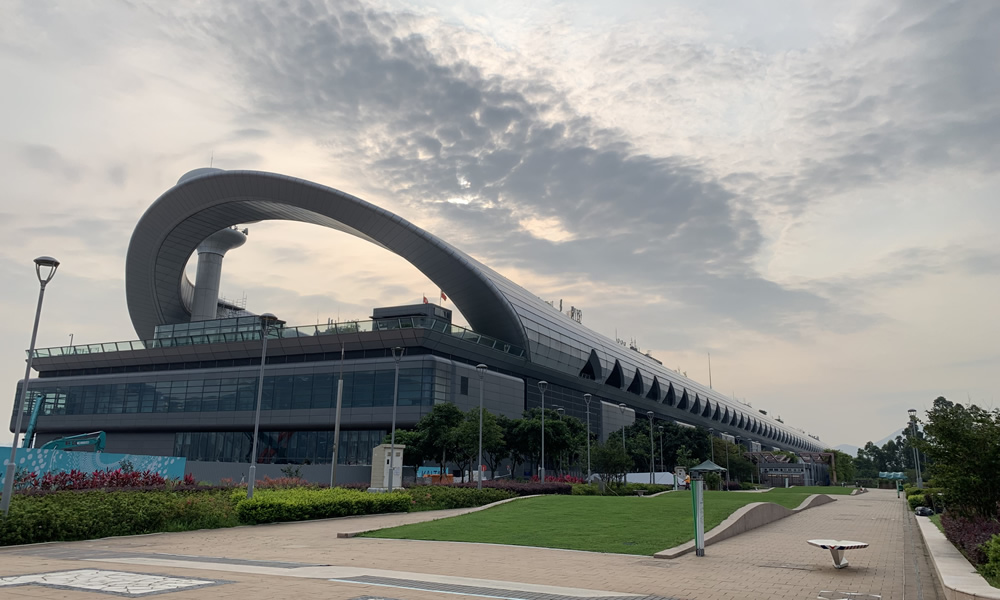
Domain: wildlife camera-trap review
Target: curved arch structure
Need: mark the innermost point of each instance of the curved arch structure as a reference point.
(206, 201)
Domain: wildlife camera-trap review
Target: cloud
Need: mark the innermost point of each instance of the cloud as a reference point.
(48, 160)
(513, 150)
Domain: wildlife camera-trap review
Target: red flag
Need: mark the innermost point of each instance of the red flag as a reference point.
(443, 297)
(425, 299)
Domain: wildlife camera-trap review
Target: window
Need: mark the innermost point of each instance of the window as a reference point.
(464, 388)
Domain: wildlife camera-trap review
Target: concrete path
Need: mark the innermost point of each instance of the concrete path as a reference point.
(308, 560)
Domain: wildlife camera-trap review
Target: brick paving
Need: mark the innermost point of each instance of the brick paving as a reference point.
(294, 560)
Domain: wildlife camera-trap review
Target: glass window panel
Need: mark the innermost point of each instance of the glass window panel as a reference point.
(283, 386)
(384, 387)
(363, 388)
(302, 393)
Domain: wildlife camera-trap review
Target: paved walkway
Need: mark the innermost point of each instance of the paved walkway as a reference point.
(308, 560)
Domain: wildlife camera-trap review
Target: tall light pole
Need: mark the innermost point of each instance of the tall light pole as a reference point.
(711, 440)
(587, 398)
(45, 270)
(738, 445)
(266, 320)
(663, 464)
(727, 464)
(560, 411)
(652, 451)
(397, 355)
(482, 373)
(542, 386)
(916, 453)
(621, 408)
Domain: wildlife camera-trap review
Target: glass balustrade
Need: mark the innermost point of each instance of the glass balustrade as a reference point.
(335, 329)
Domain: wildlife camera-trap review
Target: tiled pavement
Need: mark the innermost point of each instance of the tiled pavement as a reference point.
(307, 560)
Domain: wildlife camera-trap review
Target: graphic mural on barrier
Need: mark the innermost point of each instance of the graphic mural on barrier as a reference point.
(43, 461)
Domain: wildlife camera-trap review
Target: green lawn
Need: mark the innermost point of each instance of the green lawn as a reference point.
(628, 525)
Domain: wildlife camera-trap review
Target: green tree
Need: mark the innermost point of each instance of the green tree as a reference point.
(467, 438)
(963, 444)
(609, 460)
(843, 465)
(438, 431)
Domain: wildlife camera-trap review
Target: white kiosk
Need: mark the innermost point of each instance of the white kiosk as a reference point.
(380, 468)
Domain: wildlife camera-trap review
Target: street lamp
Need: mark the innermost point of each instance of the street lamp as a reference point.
(652, 451)
(397, 355)
(916, 453)
(266, 320)
(45, 270)
(587, 398)
(622, 407)
(711, 440)
(542, 386)
(482, 373)
(663, 466)
(727, 465)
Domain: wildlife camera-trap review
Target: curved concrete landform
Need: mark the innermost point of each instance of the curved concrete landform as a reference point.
(956, 574)
(746, 518)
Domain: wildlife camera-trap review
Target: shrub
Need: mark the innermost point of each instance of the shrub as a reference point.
(969, 534)
(915, 500)
(586, 489)
(520, 488)
(48, 515)
(436, 497)
(991, 568)
(300, 504)
(649, 488)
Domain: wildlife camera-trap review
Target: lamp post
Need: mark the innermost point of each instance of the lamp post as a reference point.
(397, 355)
(711, 440)
(916, 453)
(49, 265)
(542, 386)
(482, 373)
(266, 320)
(587, 398)
(622, 407)
(560, 411)
(652, 451)
(727, 465)
(663, 464)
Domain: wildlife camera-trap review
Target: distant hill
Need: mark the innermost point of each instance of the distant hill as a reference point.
(853, 450)
(891, 436)
(847, 449)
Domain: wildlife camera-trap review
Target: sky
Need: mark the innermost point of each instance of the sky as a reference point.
(806, 191)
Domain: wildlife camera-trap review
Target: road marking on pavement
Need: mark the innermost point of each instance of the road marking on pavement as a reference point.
(119, 583)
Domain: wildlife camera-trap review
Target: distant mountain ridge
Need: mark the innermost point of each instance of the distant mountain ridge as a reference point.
(853, 450)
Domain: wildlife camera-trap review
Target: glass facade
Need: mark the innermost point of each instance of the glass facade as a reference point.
(417, 387)
(279, 447)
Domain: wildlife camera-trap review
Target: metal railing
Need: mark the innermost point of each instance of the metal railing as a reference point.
(336, 329)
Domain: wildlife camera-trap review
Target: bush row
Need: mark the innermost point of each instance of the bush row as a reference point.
(53, 515)
(436, 497)
(93, 514)
(617, 489)
(300, 504)
(520, 488)
(970, 535)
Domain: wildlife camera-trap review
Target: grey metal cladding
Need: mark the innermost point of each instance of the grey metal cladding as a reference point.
(206, 200)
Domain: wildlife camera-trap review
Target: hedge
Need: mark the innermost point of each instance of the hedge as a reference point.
(300, 504)
(436, 497)
(82, 515)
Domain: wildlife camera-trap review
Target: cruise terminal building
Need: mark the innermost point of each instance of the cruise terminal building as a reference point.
(187, 387)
